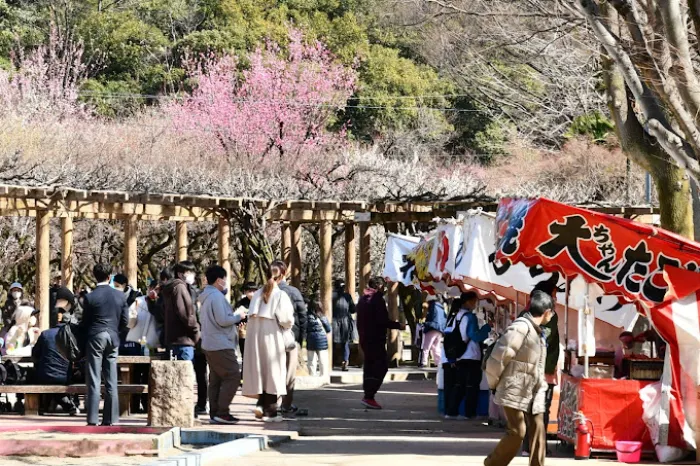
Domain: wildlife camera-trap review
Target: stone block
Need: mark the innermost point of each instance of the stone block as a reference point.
(171, 392)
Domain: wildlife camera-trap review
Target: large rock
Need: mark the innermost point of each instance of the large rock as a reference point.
(171, 392)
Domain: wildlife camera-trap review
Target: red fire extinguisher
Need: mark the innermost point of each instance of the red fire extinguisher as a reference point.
(584, 437)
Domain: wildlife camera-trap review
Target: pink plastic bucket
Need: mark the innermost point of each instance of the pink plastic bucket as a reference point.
(628, 452)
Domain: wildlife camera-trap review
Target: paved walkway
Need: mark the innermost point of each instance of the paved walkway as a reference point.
(407, 432)
(339, 431)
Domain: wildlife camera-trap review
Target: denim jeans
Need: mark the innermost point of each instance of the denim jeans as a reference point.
(183, 352)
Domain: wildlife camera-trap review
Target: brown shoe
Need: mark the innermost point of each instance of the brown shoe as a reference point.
(344, 366)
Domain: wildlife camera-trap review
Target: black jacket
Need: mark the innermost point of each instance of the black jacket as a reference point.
(343, 324)
(105, 309)
(300, 311)
(51, 368)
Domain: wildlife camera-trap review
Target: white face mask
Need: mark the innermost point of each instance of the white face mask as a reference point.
(189, 278)
(16, 295)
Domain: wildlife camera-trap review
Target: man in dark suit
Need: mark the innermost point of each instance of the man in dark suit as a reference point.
(105, 317)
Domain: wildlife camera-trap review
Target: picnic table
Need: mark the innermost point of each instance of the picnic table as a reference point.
(129, 390)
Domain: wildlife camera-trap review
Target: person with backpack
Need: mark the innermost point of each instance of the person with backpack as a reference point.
(317, 341)
(462, 357)
(515, 371)
(433, 329)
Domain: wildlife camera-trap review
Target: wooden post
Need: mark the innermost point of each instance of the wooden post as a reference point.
(697, 426)
(326, 274)
(67, 252)
(365, 256)
(393, 346)
(286, 252)
(224, 251)
(350, 259)
(131, 250)
(43, 254)
(181, 241)
(295, 256)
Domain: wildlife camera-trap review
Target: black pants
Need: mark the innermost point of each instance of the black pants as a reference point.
(268, 403)
(547, 405)
(462, 381)
(375, 369)
(64, 401)
(200, 370)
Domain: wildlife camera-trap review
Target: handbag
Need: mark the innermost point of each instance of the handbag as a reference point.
(290, 343)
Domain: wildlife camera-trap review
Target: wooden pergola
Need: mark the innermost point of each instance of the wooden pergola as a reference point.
(67, 204)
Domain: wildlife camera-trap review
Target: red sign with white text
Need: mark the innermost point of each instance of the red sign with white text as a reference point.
(622, 256)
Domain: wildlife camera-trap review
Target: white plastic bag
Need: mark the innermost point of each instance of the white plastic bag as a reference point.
(651, 403)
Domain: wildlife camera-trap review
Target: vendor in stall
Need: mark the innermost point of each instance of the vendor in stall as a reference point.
(647, 344)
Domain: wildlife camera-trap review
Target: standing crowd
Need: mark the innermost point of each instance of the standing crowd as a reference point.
(257, 340)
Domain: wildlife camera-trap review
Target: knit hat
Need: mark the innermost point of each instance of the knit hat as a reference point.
(65, 293)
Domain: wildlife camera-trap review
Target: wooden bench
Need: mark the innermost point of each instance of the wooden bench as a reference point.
(32, 393)
(126, 367)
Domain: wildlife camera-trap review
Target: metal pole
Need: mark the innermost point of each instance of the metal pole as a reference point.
(648, 188)
(566, 314)
(586, 311)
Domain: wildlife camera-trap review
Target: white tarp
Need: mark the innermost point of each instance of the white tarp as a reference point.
(466, 251)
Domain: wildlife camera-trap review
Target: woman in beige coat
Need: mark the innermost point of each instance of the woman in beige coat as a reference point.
(264, 363)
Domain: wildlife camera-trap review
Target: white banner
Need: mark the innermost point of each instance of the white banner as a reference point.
(446, 249)
(397, 266)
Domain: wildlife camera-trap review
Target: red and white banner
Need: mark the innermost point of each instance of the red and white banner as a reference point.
(678, 323)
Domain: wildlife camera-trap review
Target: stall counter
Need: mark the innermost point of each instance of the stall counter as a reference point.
(613, 407)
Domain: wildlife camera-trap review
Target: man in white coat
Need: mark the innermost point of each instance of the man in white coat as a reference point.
(219, 342)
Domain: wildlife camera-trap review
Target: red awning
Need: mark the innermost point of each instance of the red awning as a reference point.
(623, 257)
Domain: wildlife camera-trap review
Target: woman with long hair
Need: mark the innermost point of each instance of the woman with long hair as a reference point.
(264, 364)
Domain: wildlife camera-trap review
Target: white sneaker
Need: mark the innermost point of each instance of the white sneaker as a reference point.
(447, 416)
(258, 411)
(277, 418)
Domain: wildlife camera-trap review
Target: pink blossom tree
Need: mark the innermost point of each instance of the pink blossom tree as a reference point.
(44, 83)
(281, 105)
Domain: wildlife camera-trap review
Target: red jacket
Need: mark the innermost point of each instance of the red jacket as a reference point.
(373, 319)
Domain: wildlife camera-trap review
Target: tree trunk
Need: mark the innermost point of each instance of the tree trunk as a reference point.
(672, 183)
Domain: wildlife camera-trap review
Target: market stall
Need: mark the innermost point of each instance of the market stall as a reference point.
(460, 255)
(633, 261)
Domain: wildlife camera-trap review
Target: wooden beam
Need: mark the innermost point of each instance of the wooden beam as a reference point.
(181, 243)
(286, 243)
(312, 216)
(67, 252)
(131, 250)
(365, 256)
(42, 278)
(225, 250)
(296, 255)
(350, 259)
(393, 345)
(326, 278)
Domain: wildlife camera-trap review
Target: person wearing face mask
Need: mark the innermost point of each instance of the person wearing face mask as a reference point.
(181, 327)
(51, 368)
(14, 301)
(516, 374)
(121, 283)
(219, 342)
